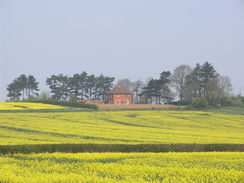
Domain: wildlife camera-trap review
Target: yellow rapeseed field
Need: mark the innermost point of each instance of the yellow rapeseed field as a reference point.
(121, 127)
(215, 167)
(26, 106)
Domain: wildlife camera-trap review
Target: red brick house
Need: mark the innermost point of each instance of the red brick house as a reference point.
(120, 95)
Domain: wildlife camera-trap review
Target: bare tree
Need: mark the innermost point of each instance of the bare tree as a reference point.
(127, 83)
(178, 79)
(218, 90)
(44, 95)
(225, 85)
(134, 86)
(139, 85)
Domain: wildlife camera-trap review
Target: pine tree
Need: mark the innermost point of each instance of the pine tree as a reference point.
(22, 86)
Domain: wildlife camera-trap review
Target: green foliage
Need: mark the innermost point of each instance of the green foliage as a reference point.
(204, 81)
(213, 101)
(181, 102)
(25, 86)
(226, 101)
(158, 89)
(229, 110)
(83, 86)
(199, 102)
(242, 99)
(237, 101)
(73, 98)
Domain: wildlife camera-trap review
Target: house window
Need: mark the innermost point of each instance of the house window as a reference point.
(126, 101)
(117, 101)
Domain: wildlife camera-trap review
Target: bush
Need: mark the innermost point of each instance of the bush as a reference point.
(242, 99)
(226, 101)
(65, 103)
(181, 102)
(236, 101)
(214, 101)
(199, 102)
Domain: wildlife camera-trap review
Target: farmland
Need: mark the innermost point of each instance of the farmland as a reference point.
(32, 131)
(121, 127)
(217, 167)
(26, 106)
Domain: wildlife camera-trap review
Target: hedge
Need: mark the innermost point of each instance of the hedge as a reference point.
(65, 103)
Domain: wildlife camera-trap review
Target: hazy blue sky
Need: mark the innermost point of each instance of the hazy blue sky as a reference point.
(127, 38)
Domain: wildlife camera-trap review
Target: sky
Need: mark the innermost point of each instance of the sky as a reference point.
(133, 39)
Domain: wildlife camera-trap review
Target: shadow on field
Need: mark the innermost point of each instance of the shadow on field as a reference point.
(75, 148)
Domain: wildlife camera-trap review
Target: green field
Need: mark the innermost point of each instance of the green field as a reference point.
(121, 127)
(215, 167)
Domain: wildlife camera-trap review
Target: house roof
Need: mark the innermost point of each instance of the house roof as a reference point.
(120, 89)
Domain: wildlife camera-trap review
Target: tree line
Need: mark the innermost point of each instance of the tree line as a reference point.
(79, 87)
(183, 86)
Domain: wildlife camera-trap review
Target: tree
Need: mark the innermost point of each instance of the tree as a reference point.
(90, 87)
(158, 89)
(104, 85)
(208, 75)
(127, 83)
(32, 86)
(165, 91)
(191, 86)
(59, 86)
(178, 79)
(150, 90)
(22, 86)
(137, 90)
(77, 85)
(225, 86)
(198, 80)
(44, 95)
(14, 91)
(134, 86)
(22, 81)
(80, 87)
(205, 82)
(219, 90)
